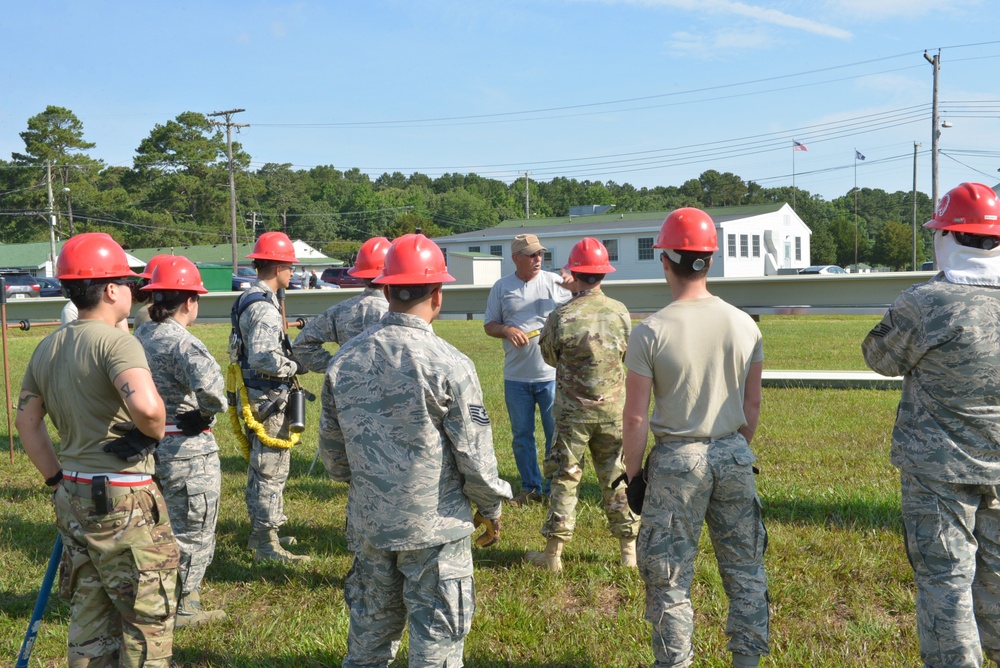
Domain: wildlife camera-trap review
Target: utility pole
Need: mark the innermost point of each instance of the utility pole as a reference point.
(914, 198)
(935, 129)
(253, 224)
(229, 125)
(52, 217)
(527, 187)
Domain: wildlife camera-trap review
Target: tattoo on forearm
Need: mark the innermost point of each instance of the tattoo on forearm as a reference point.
(23, 401)
(127, 391)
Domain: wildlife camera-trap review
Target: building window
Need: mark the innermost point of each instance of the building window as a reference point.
(612, 246)
(744, 246)
(474, 249)
(731, 243)
(496, 250)
(798, 248)
(645, 248)
(756, 245)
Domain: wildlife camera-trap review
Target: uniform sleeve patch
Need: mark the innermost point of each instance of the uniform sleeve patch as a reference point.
(478, 415)
(884, 327)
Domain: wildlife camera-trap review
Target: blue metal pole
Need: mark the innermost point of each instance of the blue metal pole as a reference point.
(40, 602)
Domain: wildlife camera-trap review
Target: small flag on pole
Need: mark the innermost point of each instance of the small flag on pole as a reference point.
(798, 146)
(858, 155)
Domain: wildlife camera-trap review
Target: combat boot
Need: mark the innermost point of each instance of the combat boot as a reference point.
(285, 541)
(269, 548)
(628, 552)
(189, 612)
(550, 559)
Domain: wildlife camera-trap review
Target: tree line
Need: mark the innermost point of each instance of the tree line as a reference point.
(176, 193)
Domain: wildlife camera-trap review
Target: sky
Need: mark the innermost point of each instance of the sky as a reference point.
(646, 92)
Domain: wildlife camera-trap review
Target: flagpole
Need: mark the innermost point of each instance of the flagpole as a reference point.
(855, 210)
(793, 175)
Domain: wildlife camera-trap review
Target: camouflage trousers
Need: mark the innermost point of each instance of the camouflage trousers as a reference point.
(431, 588)
(119, 573)
(692, 482)
(564, 467)
(953, 543)
(266, 480)
(191, 488)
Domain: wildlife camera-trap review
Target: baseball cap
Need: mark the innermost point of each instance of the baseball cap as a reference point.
(526, 244)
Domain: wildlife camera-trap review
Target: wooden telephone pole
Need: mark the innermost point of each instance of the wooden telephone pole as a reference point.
(229, 125)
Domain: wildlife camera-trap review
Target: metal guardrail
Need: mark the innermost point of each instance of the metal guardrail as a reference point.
(861, 294)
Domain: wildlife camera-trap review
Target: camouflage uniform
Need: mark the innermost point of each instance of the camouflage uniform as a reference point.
(187, 467)
(941, 337)
(338, 324)
(585, 340)
(403, 422)
(263, 337)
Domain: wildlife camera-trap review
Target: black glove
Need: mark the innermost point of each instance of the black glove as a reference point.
(300, 368)
(635, 490)
(134, 446)
(192, 422)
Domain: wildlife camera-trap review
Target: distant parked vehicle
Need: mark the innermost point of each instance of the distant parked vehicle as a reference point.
(51, 287)
(323, 285)
(823, 269)
(243, 278)
(339, 276)
(21, 285)
(927, 266)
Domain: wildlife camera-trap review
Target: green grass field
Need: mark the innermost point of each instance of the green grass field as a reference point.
(841, 589)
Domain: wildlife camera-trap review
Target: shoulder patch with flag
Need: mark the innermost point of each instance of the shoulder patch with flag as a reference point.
(798, 146)
(478, 415)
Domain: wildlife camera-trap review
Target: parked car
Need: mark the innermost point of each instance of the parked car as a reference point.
(51, 287)
(323, 285)
(927, 266)
(21, 285)
(243, 278)
(823, 269)
(339, 276)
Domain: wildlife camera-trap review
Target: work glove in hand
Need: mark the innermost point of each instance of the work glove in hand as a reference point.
(635, 490)
(192, 422)
(491, 533)
(300, 368)
(134, 446)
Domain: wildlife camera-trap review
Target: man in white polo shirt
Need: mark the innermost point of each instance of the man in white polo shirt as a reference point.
(515, 312)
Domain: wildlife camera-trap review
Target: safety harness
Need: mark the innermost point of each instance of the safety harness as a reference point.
(239, 376)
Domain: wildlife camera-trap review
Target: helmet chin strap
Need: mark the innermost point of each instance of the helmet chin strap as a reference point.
(676, 258)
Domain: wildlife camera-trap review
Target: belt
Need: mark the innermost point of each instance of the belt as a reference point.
(692, 439)
(119, 484)
(174, 430)
(114, 479)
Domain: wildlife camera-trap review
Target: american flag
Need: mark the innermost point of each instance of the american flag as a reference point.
(858, 155)
(798, 146)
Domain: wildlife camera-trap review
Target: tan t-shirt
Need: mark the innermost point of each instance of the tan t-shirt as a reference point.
(73, 370)
(698, 353)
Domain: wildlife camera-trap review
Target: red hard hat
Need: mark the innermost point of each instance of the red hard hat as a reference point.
(176, 273)
(589, 256)
(371, 258)
(154, 261)
(274, 246)
(688, 229)
(971, 208)
(413, 259)
(92, 255)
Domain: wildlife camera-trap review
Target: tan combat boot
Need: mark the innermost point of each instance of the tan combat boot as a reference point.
(285, 541)
(550, 559)
(269, 548)
(628, 552)
(190, 614)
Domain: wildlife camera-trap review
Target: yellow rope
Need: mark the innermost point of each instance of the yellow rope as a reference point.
(234, 383)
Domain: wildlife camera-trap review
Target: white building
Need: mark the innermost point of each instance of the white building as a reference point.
(753, 241)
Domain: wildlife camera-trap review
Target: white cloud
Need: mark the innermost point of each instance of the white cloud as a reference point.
(755, 12)
(867, 10)
(718, 45)
(279, 29)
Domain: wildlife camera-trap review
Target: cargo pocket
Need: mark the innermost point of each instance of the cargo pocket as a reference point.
(197, 504)
(456, 594)
(156, 586)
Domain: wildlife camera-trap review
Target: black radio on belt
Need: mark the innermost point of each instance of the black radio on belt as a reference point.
(100, 494)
